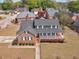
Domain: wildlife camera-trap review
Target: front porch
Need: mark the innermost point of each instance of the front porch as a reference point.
(26, 42)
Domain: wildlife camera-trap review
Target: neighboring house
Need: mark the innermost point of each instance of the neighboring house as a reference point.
(21, 9)
(76, 25)
(51, 13)
(24, 16)
(75, 16)
(31, 16)
(2, 12)
(35, 11)
(39, 30)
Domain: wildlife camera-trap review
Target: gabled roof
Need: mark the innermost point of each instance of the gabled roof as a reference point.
(21, 9)
(76, 23)
(26, 26)
(31, 14)
(24, 14)
(76, 14)
(46, 22)
(51, 11)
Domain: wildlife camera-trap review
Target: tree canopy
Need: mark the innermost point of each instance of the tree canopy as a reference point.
(41, 3)
(74, 6)
(7, 4)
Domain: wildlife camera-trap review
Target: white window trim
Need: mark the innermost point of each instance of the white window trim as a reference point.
(26, 32)
(55, 36)
(23, 38)
(51, 26)
(37, 27)
(42, 26)
(29, 38)
(56, 27)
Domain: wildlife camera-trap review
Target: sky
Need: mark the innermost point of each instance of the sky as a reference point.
(56, 0)
(13, 0)
(61, 0)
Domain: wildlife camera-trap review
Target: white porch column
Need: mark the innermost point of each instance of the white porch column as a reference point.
(55, 36)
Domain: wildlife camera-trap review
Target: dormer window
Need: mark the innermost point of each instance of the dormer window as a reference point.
(37, 27)
(56, 27)
(42, 27)
(51, 26)
(25, 32)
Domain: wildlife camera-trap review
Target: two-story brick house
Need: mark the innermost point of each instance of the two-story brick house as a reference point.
(39, 30)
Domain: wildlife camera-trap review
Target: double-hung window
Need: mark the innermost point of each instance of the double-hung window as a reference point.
(53, 34)
(44, 34)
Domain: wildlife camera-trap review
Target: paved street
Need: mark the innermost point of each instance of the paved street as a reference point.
(7, 21)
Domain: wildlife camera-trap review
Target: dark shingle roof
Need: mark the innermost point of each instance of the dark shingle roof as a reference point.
(27, 26)
(31, 14)
(21, 9)
(49, 30)
(76, 23)
(24, 14)
(51, 11)
(46, 22)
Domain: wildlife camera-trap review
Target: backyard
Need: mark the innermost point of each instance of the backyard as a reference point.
(66, 50)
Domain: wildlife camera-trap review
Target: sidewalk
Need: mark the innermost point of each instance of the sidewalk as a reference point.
(38, 54)
(7, 39)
